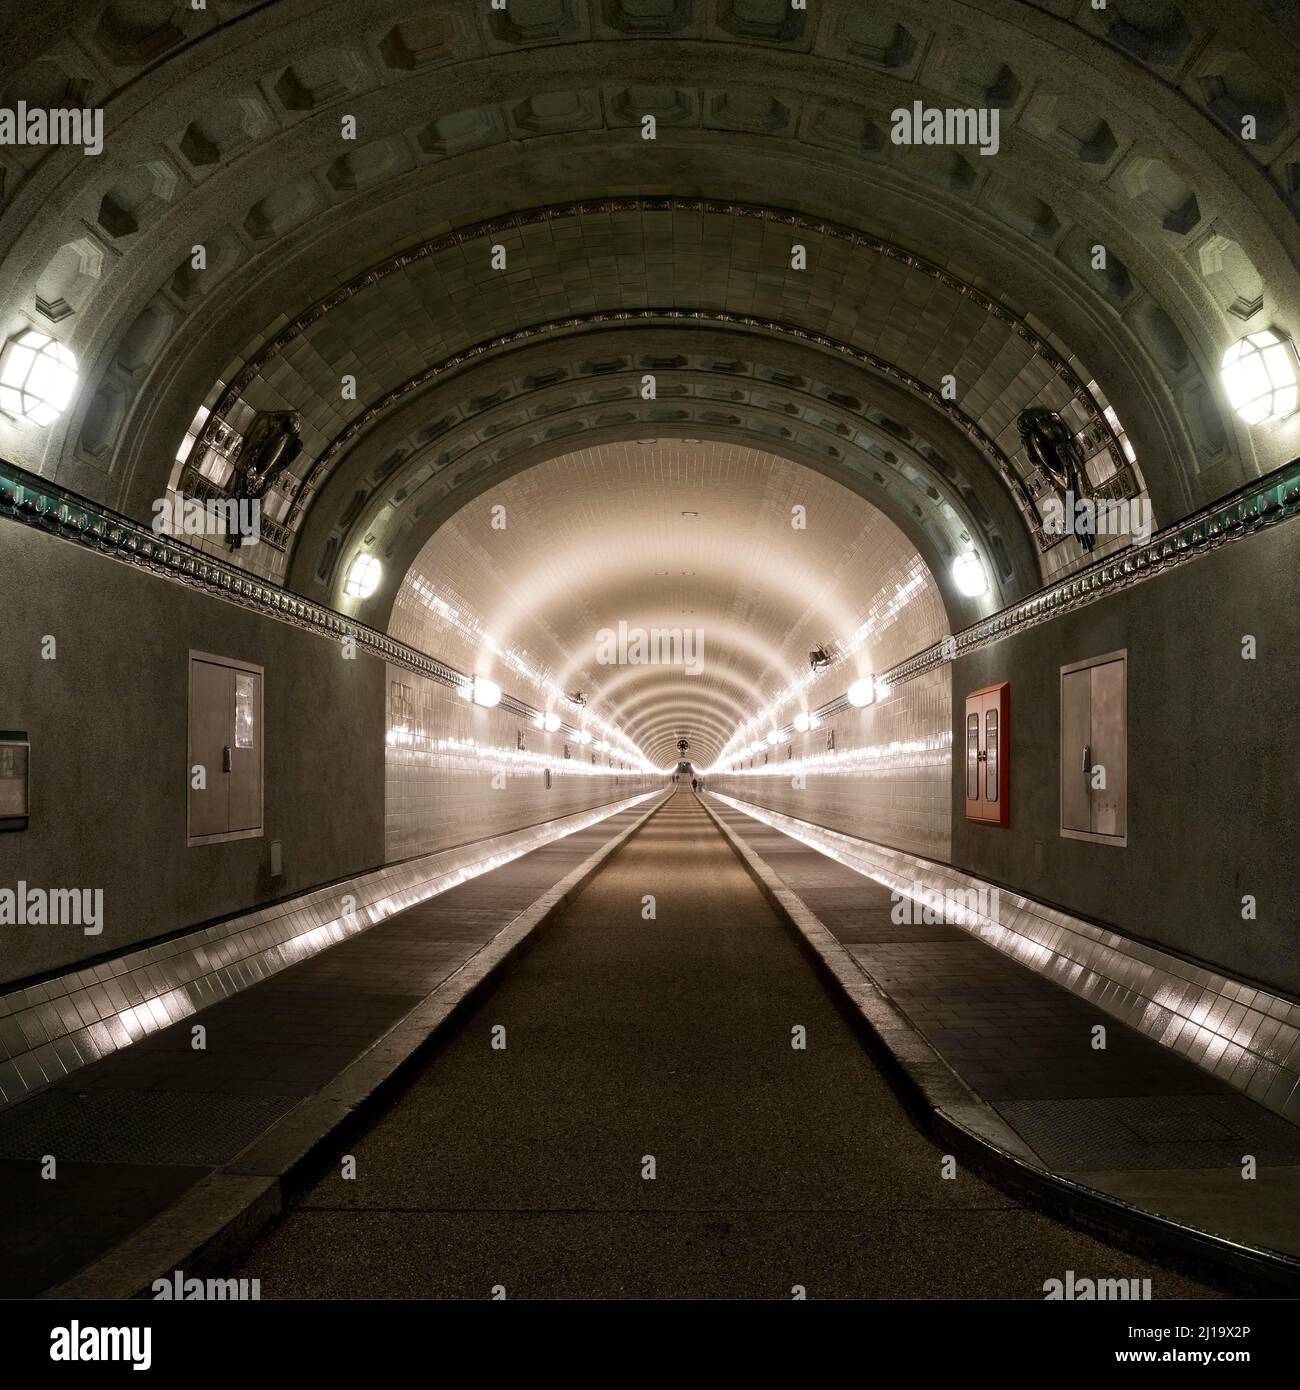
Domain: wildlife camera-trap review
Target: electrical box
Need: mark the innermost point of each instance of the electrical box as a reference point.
(15, 752)
(224, 769)
(987, 753)
(1094, 749)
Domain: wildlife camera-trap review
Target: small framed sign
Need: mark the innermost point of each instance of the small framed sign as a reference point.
(15, 753)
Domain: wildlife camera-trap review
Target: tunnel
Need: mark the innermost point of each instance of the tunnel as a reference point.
(650, 653)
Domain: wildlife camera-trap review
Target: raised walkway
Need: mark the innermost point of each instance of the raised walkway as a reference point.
(1133, 1120)
(650, 1130)
(660, 1098)
(161, 1148)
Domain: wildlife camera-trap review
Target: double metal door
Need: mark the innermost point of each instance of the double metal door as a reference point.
(225, 749)
(1094, 750)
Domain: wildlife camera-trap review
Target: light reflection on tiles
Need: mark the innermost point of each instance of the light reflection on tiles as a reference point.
(888, 778)
(451, 764)
(1197, 1013)
(156, 986)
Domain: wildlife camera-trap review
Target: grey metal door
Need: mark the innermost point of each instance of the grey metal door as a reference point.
(245, 775)
(1076, 744)
(211, 697)
(1109, 750)
(1094, 750)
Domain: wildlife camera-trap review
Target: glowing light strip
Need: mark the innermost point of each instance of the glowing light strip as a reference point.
(737, 747)
(211, 964)
(469, 625)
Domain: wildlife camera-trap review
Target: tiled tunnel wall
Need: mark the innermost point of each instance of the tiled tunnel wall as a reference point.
(1212, 812)
(455, 771)
(886, 779)
(1213, 816)
(350, 783)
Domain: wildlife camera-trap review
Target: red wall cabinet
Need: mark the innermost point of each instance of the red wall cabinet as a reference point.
(987, 753)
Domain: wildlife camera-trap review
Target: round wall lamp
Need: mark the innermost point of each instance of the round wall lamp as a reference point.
(486, 693)
(38, 376)
(1260, 378)
(363, 577)
(969, 576)
(861, 693)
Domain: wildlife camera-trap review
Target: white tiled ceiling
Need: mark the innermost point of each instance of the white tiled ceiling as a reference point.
(598, 537)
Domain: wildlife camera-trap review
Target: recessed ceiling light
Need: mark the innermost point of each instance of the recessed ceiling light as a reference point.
(690, 513)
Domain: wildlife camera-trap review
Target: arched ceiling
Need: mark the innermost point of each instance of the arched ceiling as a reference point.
(332, 258)
(702, 538)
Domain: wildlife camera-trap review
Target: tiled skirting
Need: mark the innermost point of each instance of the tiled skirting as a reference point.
(1245, 1036)
(49, 1030)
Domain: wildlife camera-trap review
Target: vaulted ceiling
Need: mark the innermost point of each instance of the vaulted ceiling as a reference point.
(499, 261)
(757, 560)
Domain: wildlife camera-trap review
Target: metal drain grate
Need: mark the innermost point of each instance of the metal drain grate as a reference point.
(1152, 1131)
(162, 1127)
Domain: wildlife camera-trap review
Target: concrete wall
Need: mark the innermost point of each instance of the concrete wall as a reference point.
(107, 720)
(1214, 797)
(1214, 786)
(887, 779)
(349, 783)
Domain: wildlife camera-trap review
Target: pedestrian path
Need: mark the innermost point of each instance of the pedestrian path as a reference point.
(1131, 1118)
(660, 1099)
(131, 1135)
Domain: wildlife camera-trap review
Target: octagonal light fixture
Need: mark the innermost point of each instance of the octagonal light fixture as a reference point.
(1260, 377)
(803, 721)
(774, 737)
(363, 578)
(969, 576)
(38, 376)
(551, 722)
(584, 736)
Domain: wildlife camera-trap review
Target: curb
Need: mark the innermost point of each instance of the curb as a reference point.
(968, 1126)
(220, 1217)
